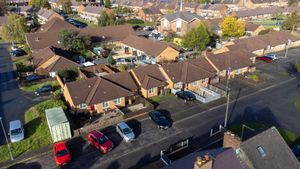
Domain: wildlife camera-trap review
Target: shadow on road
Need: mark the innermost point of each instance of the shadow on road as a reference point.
(136, 126)
(33, 165)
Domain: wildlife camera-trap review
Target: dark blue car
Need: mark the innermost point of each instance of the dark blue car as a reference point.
(186, 96)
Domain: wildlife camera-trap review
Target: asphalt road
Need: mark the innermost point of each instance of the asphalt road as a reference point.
(13, 101)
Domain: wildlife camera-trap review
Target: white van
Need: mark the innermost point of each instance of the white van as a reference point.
(16, 131)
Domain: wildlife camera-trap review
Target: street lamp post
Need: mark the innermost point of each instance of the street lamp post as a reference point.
(228, 98)
(11, 157)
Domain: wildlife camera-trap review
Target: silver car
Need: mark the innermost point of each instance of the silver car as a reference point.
(16, 132)
(125, 132)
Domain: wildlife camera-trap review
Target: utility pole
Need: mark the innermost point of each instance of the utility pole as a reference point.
(287, 46)
(228, 98)
(11, 157)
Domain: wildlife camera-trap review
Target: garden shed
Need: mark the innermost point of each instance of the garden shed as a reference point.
(58, 124)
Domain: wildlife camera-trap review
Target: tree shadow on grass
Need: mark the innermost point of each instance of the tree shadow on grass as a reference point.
(32, 126)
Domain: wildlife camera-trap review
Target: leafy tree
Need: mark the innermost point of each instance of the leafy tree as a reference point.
(15, 28)
(107, 19)
(39, 3)
(107, 3)
(111, 60)
(291, 22)
(35, 21)
(66, 6)
(293, 2)
(232, 27)
(71, 40)
(196, 38)
(2, 7)
(122, 10)
(204, 1)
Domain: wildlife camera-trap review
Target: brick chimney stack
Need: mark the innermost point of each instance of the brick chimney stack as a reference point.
(231, 140)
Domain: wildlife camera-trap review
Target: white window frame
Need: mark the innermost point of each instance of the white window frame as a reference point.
(203, 81)
(117, 101)
(105, 104)
(83, 106)
(150, 91)
(195, 83)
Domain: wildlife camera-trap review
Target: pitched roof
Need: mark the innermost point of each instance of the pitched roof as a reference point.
(189, 71)
(250, 26)
(47, 35)
(45, 13)
(123, 79)
(152, 11)
(108, 33)
(222, 159)
(277, 155)
(93, 9)
(149, 76)
(263, 1)
(149, 46)
(95, 90)
(233, 59)
(186, 16)
(55, 56)
(255, 12)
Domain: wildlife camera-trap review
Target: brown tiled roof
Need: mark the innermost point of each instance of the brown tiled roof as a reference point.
(108, 33)
(47, 35)
(189, 71)
(123, 79)
(94, 9)
(233, 59)
(149, 76)
(58, 64)
(250, 26)
(152, 11)
(95, 90)
(150, 47)
(99, 68)
(256, 12)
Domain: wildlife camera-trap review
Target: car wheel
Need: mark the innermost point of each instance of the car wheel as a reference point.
(176, 95)
(185, 101)
(150, 118)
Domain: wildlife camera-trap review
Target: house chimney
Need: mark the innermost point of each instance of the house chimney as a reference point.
(231, 140)
(203, 163)
(37, 39)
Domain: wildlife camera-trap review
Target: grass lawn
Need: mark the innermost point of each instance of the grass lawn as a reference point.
(268, 23)
(156, 99)
(32, 88)
(297, 102)
(89, 24)
(288, 136)
(37, 134)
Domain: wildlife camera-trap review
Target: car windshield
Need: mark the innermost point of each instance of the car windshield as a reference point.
(102, 139)
(16, 131)
(126, 131)
(61, 153)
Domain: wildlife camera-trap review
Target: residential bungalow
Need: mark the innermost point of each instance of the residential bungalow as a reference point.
(101, 94)
(232, 63)
(261, 151)
(150, 80)
(147, 48)
(256, 13)
(47, 35)
(55, 3)
(50, 61)
(191, 75)
(90, 13)
(167, 6)
(149, 14)
(45, 15)
(253, 29)
(179, 22)
(267, 43)
(136, 5)
(96, 70)
(212, 10)
(252, 4)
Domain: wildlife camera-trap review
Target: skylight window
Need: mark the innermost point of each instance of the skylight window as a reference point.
(261, 151)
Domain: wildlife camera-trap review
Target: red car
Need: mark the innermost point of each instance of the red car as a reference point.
(265, 58)
(100, 141)
(61, 153)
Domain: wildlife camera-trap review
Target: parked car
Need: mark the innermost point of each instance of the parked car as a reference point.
(16, 131)
(296, 151)
(125, 132)
(185, 95)
(265, 59)
(34, 77)
(100, 141)
(298, 87)
(148, 28)
(272, 56)
(160, 119)
(61, 153)
(18, 52)
(44, 89)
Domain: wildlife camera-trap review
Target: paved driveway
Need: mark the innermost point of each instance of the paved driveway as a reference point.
(13, 102)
